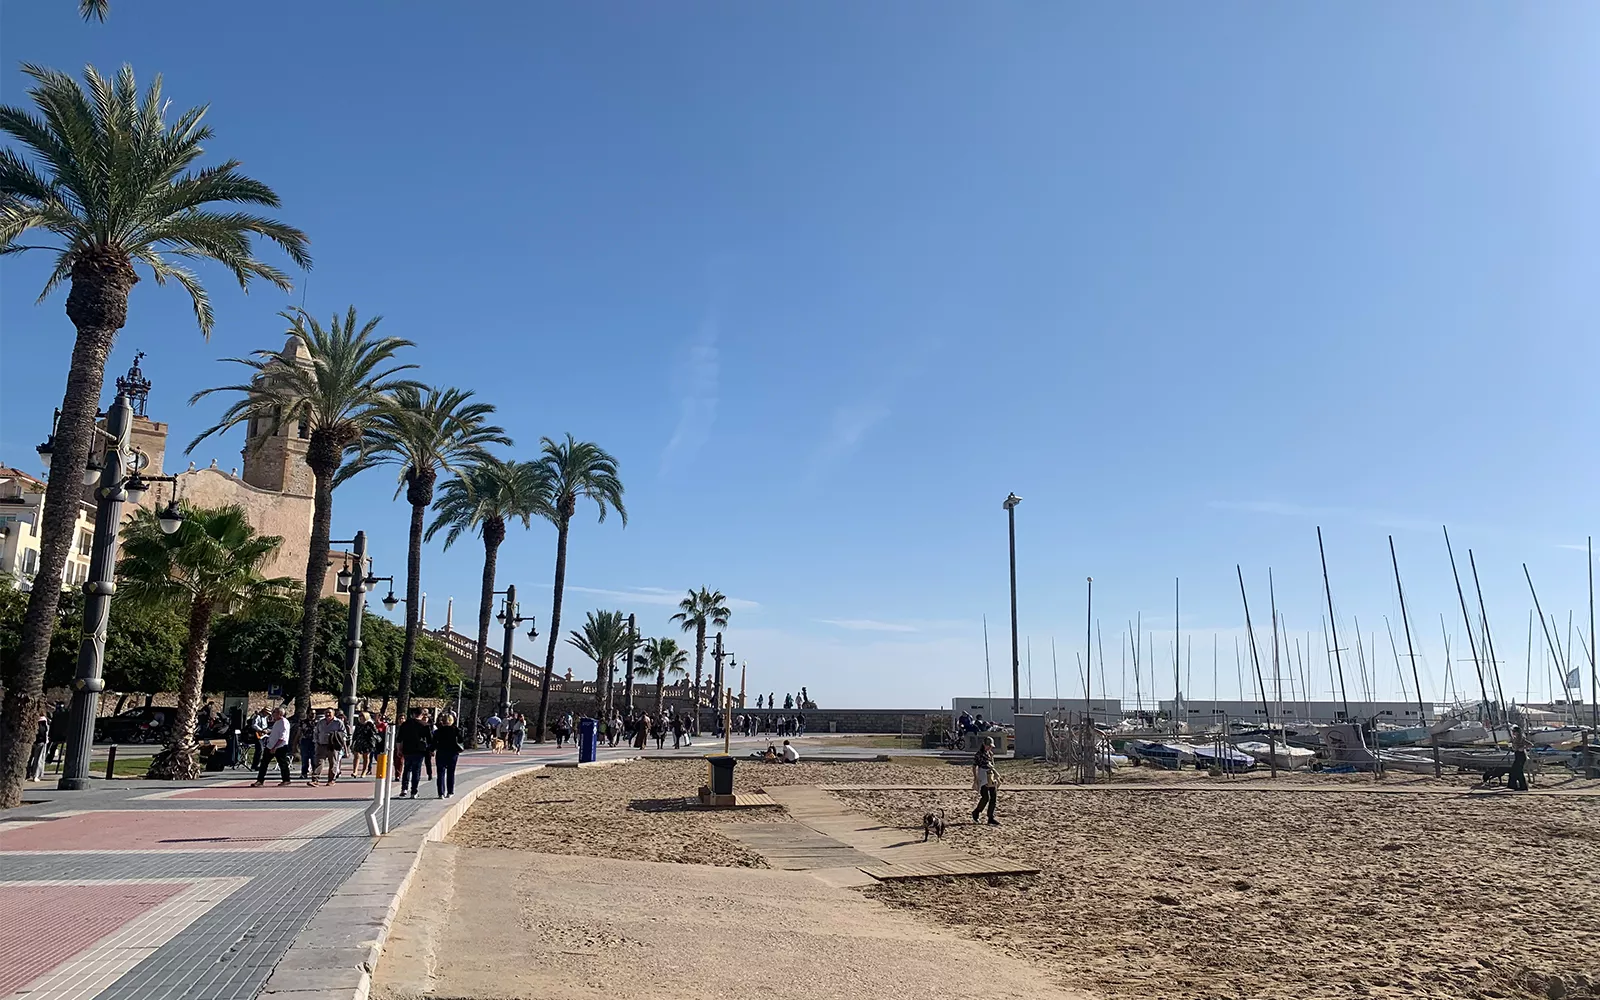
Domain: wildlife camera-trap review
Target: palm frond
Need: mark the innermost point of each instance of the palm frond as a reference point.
(99, 166)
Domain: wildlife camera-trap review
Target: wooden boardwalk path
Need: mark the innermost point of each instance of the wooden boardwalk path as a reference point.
(828, 835)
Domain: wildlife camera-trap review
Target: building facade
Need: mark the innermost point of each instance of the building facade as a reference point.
(274, 488)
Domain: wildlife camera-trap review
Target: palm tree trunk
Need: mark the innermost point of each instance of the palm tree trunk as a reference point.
(98, 306)
(494, 532)
(555, 625)
(323, 457)
(420, 493)
(699, 664)
(180, 760)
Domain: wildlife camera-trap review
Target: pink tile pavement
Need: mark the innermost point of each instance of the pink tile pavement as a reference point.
(354, 790)
(159, 830)
(45, 925)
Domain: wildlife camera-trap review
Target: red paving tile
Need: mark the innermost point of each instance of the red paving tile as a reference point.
(45, 925)
(354, 790)
(159, 830)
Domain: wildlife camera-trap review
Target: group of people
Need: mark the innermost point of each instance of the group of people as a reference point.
(421, 742)
(505, 734)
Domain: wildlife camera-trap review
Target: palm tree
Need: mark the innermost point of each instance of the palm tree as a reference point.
(335, 382)
(700, 609)
(603, 639)
(576, 469)
(110, 185)
(424, 431)
(94, 10)
(483, 496)
(661, 657)
(210, 566)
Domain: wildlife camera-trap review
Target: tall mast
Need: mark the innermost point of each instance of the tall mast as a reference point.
(1543, 627)
(1594, 675)
(1277, 675)
(1333, 623)
(988, 678)
(1466, 619)
(1405, 620)
(1177, 689)
(1272, 736)
(1488, 640)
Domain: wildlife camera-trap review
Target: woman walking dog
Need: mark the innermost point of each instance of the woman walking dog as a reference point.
(985, 780)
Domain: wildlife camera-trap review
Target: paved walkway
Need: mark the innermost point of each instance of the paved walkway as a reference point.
(137, 890)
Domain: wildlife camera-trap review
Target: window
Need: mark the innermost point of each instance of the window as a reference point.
(85, 542)
(30, 562)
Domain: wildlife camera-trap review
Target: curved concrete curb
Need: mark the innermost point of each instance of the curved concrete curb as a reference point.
(332, 958)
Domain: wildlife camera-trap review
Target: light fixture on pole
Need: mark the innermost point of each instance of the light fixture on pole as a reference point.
(1010, 506)
(510, 618)
(114, 466)
(356, 581)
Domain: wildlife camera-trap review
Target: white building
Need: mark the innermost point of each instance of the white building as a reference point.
(21, 503)
(998, 710)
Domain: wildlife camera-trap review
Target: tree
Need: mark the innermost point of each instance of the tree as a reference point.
(483, 496)
(335, 382)
(110, 185)
(95, 10)
(603, 639)
(209, 566)
(426, 430)
(700, 609)
(661, 657)
(576, 469)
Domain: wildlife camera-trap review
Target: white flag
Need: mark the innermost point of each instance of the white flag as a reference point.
(1573, 680)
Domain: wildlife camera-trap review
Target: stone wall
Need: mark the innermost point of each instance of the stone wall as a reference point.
(862, 720)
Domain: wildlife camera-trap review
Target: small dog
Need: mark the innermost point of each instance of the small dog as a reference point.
(933, 823)
(497, 745)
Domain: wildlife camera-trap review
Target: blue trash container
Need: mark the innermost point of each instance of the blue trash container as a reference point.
(588, 740)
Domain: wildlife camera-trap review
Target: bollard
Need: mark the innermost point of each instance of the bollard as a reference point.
(378, 812)
(111, 762)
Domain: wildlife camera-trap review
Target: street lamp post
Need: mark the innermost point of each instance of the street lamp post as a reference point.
(1010, 506)
(509, 617)
(355, 584)
(716, 656)
(118, 477)
(627, 673)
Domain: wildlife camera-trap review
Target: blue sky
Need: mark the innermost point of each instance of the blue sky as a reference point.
(831, 279)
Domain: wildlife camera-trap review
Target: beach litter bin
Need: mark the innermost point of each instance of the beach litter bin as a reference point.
(588, 740)
(721, 777)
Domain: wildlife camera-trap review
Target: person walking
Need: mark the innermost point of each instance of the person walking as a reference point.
(275, 748)
(641, 731)
(413, 741)
(41, 743)
(493, 723)
(60, 719)
(331, 739)
(363, 743)
(447, 746)
(1520, 745)
(986, 780)
(519, 731)
(427, 758)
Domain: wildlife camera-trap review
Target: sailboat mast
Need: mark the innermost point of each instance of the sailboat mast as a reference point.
(988, 676)
(1543, 627)
(1488, 640)
(1333, 623)
(1466, 619)
(1272, 736)
(1177, 689)
(1405, 620)
(1594, 642)
(1277, 674)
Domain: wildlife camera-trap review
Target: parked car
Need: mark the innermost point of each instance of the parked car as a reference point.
(136, 725)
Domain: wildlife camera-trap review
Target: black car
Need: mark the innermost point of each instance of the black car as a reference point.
(136, 725)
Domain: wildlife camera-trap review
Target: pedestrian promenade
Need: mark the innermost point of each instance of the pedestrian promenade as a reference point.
(188, 890)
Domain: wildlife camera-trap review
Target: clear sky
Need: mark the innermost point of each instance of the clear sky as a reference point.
(830, 279)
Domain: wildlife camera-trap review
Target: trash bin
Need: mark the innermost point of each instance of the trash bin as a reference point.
(721, 767)
(588, 740)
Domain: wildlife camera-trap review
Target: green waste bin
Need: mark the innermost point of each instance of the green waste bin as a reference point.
(721, 768)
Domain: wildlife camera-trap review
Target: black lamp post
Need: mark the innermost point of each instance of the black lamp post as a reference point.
(117, 473)
(1010, 506)
(510, 618)
(356, 584)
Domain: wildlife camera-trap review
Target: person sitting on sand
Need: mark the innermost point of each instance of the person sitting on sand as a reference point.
(790, 754)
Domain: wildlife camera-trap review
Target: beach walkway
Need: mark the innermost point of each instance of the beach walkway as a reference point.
(198, 890)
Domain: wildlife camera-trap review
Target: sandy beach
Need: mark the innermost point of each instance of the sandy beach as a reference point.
(1188, 888)
(1237, 893)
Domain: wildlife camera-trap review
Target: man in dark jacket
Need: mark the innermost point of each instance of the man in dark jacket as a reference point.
(60, 722)
(414, 739)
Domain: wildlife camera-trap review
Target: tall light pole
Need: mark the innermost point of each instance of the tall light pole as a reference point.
(116, 472)
(627, 672)
(509, 617)
(355, 584)
(716, 654)
(1010, 506)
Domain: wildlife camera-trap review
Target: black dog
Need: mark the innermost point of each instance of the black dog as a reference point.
(934, 824)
